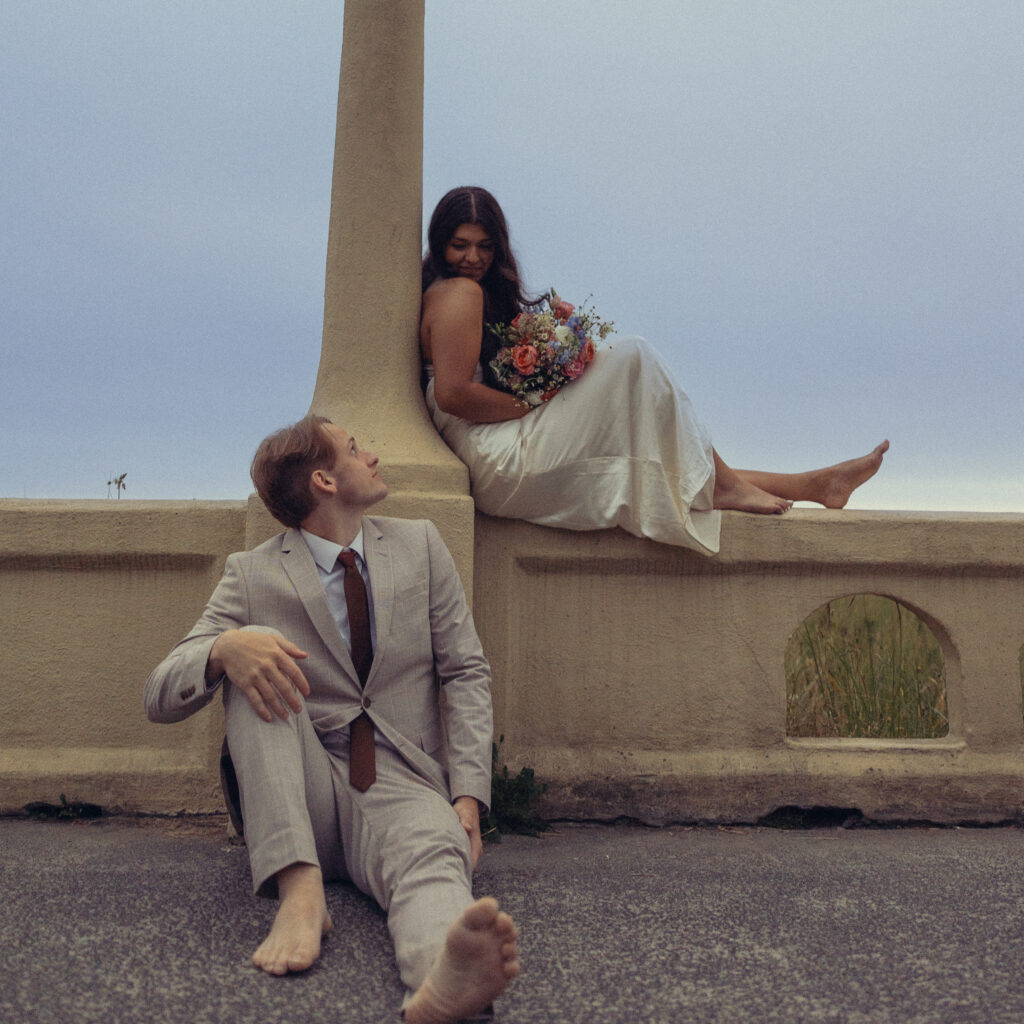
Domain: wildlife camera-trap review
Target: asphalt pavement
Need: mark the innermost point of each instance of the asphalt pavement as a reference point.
(131, 921)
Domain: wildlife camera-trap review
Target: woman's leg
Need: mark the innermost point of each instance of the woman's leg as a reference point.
(734, 491)
(831, 486)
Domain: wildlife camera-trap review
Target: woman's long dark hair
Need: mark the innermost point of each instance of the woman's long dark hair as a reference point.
(503, 289)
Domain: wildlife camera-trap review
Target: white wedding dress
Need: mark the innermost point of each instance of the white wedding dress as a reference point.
(620, 446)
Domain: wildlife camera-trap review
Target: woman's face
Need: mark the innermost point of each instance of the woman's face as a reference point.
(469, 252)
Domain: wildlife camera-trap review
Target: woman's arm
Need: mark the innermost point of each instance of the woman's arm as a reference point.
(450, 330)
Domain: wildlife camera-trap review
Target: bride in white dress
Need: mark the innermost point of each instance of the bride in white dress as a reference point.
(620, 446)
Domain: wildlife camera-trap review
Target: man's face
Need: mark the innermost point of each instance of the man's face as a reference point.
(354, 472)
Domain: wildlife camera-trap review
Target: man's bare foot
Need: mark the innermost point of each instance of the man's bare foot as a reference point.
(302, 919)
(840, 481)
(733, 492)
(477, 962)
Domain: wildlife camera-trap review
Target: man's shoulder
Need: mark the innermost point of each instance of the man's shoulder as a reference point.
(272, 547)
(389, 526)
(418, 538)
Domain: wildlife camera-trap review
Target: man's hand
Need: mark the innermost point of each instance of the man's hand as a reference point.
(468, 810)
(262, 666)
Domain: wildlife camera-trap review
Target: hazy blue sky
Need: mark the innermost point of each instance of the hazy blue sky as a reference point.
(814, 209)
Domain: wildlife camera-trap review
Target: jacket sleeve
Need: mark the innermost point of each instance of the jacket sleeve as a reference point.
(177, 687)
(464, 673)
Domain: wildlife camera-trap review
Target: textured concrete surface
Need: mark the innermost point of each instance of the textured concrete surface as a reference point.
(123, 921)
(702, 639)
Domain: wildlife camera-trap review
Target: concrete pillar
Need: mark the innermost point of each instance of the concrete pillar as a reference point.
(369, 376)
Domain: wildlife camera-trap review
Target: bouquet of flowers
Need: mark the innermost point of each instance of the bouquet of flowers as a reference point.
(545, 347)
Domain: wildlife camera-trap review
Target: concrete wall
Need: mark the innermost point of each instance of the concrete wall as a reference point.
(647, 681)
(636, 679)
(92, 595)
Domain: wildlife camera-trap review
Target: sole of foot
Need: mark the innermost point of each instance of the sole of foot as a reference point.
(475, 966)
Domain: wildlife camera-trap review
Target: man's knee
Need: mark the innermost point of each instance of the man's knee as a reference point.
(438, 837)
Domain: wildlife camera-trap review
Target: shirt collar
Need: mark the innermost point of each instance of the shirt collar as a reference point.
(325, 552)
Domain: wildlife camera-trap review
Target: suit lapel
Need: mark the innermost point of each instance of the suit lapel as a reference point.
(302, 571)
(382, 585)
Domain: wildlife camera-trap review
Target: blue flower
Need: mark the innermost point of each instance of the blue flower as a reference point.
(576, 326)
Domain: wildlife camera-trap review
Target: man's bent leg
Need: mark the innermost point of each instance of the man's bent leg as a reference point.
(301, 922)
(291, 827)
(284, 778)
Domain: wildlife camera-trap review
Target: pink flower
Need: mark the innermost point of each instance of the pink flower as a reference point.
(587, 351)
(574, 367)
(524, 358)
(563, 310)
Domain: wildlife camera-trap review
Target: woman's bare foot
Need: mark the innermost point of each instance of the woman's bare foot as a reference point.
(474, 967)
(840, 481)
(302, 919)
(733, 492)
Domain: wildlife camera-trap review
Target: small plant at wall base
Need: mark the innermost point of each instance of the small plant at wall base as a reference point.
(66, 810)
(513, 801)
(117, 482)
(865, 666)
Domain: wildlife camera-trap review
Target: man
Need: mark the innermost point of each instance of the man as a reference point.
(348, 767)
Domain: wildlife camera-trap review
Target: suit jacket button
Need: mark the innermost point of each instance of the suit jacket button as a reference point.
(367, 702)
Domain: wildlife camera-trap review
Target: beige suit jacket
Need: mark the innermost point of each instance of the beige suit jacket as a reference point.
(425, 639)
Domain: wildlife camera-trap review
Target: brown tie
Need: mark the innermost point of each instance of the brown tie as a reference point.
(362, 772)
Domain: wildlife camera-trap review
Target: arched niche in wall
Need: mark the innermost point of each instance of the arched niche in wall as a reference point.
(865, 666)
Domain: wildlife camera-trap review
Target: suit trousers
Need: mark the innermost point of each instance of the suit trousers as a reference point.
(400, 842)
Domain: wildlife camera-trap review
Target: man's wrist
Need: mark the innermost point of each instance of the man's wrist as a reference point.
(480, 809)
(214, 664)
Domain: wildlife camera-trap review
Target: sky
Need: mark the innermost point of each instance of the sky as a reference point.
(814, 210)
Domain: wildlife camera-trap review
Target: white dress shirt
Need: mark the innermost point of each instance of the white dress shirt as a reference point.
(332, 575)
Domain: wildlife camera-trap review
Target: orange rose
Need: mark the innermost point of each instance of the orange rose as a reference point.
(524, 359)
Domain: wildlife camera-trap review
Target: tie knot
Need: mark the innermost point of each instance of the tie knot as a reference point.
(348, 558)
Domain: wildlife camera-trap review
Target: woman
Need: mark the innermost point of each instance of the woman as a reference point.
(620, 446)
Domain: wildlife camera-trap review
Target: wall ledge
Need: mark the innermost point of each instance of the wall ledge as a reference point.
(634, 678)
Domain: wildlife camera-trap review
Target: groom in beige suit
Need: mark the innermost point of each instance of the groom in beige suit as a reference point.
(278, 637)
